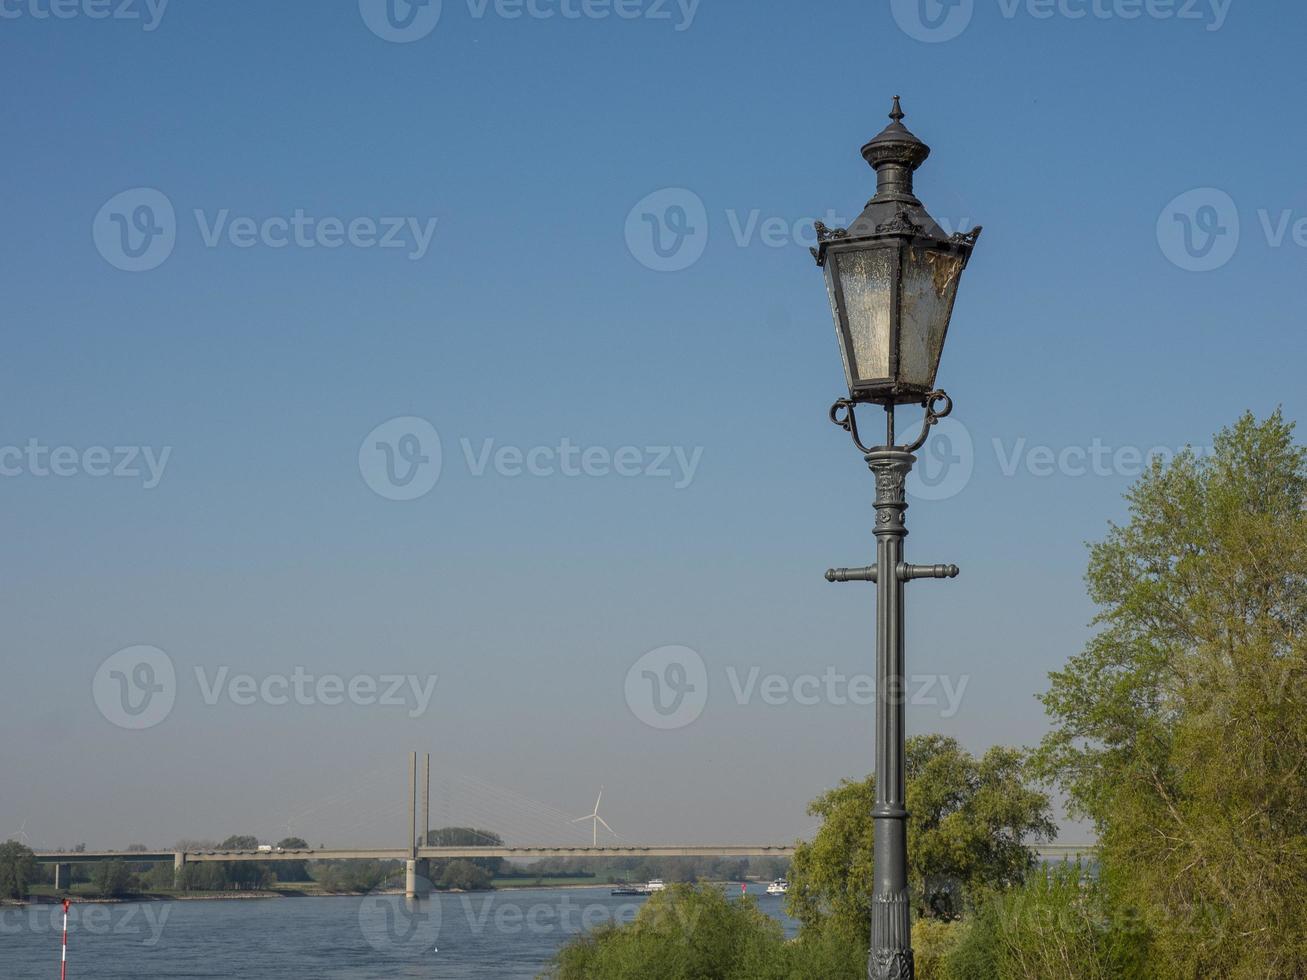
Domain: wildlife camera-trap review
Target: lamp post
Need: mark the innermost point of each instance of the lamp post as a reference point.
(892, 277)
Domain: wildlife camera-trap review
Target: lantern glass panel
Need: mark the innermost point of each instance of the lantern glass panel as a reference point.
(930, 284)
(866, 279)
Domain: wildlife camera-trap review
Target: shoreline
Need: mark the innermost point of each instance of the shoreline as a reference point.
(149, 897)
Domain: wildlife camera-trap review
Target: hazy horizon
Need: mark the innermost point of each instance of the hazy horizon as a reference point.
(483, 370)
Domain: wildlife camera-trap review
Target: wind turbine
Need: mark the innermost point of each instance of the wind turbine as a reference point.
(596, 820)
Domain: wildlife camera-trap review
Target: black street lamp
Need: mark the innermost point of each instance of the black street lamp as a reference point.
(892, 277)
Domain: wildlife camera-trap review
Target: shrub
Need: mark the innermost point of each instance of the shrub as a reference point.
(932, 942)
(684, 933)
(1055, 927)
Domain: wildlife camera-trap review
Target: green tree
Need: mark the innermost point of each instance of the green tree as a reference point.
(252, 875)
(17, 869)
(464, 875)
(970, 824)
(208, 876)
(113, 879)
(292, 870)
(466, 837)
(357, 876)
(689, 933)
(698, 933)
(1181, 729)
(159, 877)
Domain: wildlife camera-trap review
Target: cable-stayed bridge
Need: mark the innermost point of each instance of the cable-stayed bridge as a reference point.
(418, 856)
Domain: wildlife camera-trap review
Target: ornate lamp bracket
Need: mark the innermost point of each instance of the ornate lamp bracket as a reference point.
(937, 403)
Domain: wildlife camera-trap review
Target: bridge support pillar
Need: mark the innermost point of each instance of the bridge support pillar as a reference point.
(63, 877)
(417, 878)
(178, 866)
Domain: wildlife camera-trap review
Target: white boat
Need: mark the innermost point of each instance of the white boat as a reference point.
(655, 885)
(778, 887)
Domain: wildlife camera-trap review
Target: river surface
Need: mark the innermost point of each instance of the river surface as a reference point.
(505, 935)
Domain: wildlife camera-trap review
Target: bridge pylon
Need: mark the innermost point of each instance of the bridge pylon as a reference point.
(417, 871)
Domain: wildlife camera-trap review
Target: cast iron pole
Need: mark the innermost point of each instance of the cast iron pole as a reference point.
(891, 921)
(890, 956)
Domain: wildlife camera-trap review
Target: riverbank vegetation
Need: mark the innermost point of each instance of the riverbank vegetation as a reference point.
(1180, 732)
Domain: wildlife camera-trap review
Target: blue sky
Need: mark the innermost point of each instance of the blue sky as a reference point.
(534, 317)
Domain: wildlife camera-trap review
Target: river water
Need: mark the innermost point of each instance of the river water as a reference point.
(505, 935)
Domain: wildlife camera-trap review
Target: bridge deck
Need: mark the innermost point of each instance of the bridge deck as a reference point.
(1045, 851)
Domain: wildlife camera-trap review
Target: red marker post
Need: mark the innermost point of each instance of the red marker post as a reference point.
(63, 961)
